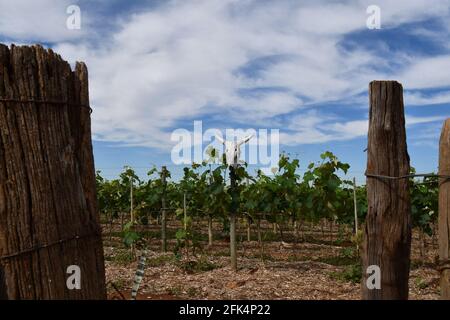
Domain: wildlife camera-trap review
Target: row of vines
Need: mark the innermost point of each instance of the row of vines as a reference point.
(286, 198)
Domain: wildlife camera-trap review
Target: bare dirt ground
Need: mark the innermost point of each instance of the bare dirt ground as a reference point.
(308, 270)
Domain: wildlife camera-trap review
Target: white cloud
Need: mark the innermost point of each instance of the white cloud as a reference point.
(417, 98)
(412, 120)
(181, 60)
(39, 21)
(427, 73)
(313, 128)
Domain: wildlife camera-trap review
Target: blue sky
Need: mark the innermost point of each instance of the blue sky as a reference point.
(302, 67)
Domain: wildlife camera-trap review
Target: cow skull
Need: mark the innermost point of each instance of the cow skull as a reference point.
(233, 149)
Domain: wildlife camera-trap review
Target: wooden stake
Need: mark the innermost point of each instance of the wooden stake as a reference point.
(131, 213)
(444, 209)
(249, 238)
(355, 206)
(184, 212)
(233, 248)
(186, 241)
(131, 200)
(210, 231)
(234, 203)
(210, 221)
(163, 213)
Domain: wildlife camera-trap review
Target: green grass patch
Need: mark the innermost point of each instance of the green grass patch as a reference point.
(119, 284)
(421, 283)
(351, 273)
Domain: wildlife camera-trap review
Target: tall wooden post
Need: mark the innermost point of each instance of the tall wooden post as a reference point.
(444, 209)
(48, 207)
(387, 230)
(163, 213)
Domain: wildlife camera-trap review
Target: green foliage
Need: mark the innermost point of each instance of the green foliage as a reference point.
(281, 197)
(325, 194)
(348, 252)
(421, 283)
(351, 273)
(424, 203)
(319, 194)
(129, 235)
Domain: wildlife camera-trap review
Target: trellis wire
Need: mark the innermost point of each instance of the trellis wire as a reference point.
(51, 244)
(445, 178)
(415, 175)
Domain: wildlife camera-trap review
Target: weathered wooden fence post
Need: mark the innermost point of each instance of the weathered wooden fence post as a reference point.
(444, 209)
(48, 210)
(387, 230)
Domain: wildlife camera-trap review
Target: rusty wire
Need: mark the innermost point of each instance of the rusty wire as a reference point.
(415, 175)
(446, 178)
(51, 244)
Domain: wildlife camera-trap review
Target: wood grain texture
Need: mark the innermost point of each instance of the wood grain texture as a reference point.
(47, 179)
(444, 209)
(387, 231)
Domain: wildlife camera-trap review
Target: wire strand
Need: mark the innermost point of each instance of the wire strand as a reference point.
(51, 244)
(425, 175)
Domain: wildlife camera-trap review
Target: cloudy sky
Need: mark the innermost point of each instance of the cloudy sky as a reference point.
(302, 67)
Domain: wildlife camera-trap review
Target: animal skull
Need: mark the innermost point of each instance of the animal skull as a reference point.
(233, 149)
